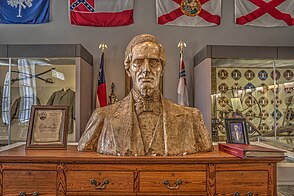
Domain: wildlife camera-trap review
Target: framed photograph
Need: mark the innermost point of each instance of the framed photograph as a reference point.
(48, 127)
(236, 130)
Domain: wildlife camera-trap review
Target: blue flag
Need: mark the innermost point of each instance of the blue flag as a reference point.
(24, 11)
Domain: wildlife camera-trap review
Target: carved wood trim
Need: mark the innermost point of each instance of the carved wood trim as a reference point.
(211, 179)
(61, 180)
(1, 179)
(136, 181)
(272, 179)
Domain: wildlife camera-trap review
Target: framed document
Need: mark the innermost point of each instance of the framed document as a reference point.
(47, 127)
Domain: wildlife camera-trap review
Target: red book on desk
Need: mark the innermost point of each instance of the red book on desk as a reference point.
(249, 151)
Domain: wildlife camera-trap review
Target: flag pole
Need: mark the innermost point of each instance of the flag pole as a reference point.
(182, 45)
(101, 86)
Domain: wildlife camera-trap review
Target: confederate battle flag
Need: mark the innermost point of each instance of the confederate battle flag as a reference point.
(193, 13)
(101, 13)
(264, 13)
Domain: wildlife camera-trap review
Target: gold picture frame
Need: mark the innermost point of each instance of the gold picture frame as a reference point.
(48, 127)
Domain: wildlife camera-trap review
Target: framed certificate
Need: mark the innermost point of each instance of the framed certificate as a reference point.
(48, 127)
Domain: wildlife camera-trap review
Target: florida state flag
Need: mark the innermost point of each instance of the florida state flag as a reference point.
(264, 13)
(193, 13)
(101, 13)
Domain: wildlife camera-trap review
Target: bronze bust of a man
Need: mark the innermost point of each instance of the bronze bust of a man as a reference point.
(145, 123)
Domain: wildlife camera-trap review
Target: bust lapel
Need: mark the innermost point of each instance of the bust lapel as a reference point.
(125, 128)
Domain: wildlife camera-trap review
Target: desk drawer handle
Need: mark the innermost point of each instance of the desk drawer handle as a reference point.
(24, 194)
(177, 183)
(237, 194)
(99, 185)
(250, 194)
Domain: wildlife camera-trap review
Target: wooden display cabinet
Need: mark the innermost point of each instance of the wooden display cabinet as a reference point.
(69, 172)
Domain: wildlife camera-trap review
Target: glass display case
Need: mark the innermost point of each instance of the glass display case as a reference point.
(251, 82)
(43, 75)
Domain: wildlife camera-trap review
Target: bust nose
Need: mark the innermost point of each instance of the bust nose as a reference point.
(146, 67)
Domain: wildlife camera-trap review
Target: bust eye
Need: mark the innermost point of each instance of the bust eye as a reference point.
(137, 62)
(154, 62)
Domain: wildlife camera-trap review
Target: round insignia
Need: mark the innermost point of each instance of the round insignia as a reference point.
(249, 101)
(223, 88)
(236, 90)
(288, 74)
(222, 74)
(278, 115)
(223, 101)
(263, 88)
(279, 101)
(249, 86)
(250, 114)
(262, 75)
(190, 7)
(236, 74)
(263, 101)
(249, 74)
(263, 127)
(42, 115)
(278, 75)
(264, 114)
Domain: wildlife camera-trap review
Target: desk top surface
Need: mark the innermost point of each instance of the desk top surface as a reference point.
(20, 154)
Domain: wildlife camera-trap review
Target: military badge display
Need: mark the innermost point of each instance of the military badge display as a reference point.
(263, 101)
(249, 101)
(278, 114)
(262, 75)
(278, 75)
(250, 114)
(222, 74)
(249, 74)
(223, 88)
(236, 74)
(264, 114)
(288, 74)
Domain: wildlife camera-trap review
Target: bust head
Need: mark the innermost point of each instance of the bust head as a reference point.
(144, 63)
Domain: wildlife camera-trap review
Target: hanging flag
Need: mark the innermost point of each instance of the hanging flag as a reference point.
(264, 13)
(24, 11)
(101, 88)
(193, 13)
(101, 13)
(182, 85)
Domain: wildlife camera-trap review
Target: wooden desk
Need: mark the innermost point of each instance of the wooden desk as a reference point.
(69, 172)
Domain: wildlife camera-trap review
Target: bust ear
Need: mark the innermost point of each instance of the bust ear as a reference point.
(128, 71)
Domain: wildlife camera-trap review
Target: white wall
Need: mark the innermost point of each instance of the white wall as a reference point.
(60, 31)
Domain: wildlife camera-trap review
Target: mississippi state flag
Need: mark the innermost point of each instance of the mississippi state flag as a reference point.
(101, 13)
(264, 13)
(101, 88)
(193, 13)
(182, 85)
(24, 11)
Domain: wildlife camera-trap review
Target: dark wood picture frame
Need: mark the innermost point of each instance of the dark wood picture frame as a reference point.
(48, 127)
(236, 130)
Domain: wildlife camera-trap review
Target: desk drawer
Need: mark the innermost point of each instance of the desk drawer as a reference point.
(43, 182)
(104, 180)
(192, 181)
(243, 182)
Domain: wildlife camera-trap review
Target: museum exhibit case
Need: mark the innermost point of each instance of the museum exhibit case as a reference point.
(251, 82)
(53, 74)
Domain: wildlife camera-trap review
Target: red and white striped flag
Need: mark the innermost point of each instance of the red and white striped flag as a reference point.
(182, 85)
(193, 13)
(264, 13)
(101, 13)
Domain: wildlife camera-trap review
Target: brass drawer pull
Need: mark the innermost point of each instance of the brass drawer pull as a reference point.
(100, 185)
(24, 194)
(237, 194)
(250, 194)
(177, 183)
